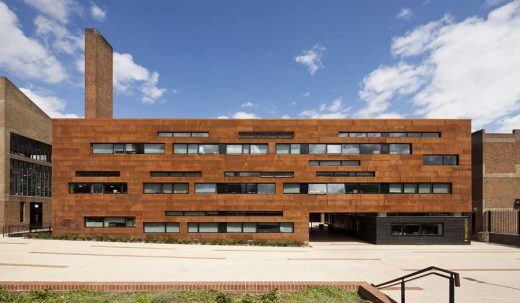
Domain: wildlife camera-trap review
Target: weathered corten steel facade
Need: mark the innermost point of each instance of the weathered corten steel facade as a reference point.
(74, 142)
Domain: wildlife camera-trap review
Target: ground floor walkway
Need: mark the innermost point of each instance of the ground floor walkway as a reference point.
(489, 273)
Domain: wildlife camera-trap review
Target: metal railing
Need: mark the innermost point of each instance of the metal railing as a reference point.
(14, 230)
(453, 277)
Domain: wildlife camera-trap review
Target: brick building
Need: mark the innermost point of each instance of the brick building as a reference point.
(25, 160)
(496, 176)
(385, 180)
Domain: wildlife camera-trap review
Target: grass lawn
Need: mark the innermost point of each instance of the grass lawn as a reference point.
(311, 294)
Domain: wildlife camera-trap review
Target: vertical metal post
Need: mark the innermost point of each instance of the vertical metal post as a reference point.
(518, 222)
(489, 220)
(452, 289)
(402, 291)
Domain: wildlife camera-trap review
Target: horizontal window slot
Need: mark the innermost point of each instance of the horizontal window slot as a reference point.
(345, 149)
(366, 188)
(184, 134)
(109, 222)
(97, 174)
(235, 188)
(175, 174)
(345, 174)
(274, 174)
(446, 160)
(241, 227)
(389, 134)
(224, 213)
(127, 148)
(165, 188)
(265, 135)
(97, 188)
(215, 149)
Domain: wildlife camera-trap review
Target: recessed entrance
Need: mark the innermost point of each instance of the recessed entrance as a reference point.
(321, 229)
(35, 214)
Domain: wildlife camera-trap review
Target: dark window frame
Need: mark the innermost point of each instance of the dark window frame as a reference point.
(162, 190)
(124, 187)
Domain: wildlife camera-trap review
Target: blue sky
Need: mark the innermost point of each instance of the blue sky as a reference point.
(272, 59)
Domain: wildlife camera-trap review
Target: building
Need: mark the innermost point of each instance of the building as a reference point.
(385, 180)
(496, 180)
(25, 160)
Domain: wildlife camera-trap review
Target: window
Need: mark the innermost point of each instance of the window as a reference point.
(369, 188)
(269, 188)
(208, 227)
(22, 208)
(425, 188)
(400, 149)
(335, 188)
(154, 148)
(234, 149)
(29, 148)
(211, 149)
(369, 148)
(234, 228)
(161, 227)
(165, 188)
(266, 227)
(440, 160)
(128, 148)
(333, 148)
(395, 188)
(258, 149)
(291, 188)
(30, 179)
(388, 134)
(317, 149)
(249, 227)
(286, 227)
(183, 134)
(102, 148)
(175, 174)
(350, 149)
(334, 162)
(396, 229)
(97, 188)
(345, 174)
(274, 135)
(424, 229)
(109, 222)
(317, 189)
(410, 188)
(432, 229)
(205, 188)
(97, 174)
(441, 188)
(225, 213)
(294, 149)
(411, 229)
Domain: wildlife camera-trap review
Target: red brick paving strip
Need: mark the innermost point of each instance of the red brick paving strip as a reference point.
(233, 287)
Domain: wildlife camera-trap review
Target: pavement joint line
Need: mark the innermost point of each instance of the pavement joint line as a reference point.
(13, 243)
(333, 259)
(259, 250)
(133, 247)
(34, 265)
(471, 269)
(131, 256)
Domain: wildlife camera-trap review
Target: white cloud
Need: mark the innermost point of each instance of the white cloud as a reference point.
(415, 42)
(23, 56)
(286, 117)
(311, 58)
(59, 10)
(490, 3)
(240, 115)
(334, 110)
(247, 104)
(97, 12)
(51, 105)
(387, 82)
(128, 74)
(466, 69)
(306, 94)
(64, 41)
(510, 123)
(405, 13)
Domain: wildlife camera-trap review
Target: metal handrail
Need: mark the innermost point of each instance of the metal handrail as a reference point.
(432, 270)
(24, 228)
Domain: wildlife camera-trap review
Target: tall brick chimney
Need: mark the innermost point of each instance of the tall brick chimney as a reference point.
(98, 76)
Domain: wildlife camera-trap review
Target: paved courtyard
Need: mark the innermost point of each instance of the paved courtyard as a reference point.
(489, 272)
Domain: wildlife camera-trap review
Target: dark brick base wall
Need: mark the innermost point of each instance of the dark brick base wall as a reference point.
(513, 240)
(377, 230)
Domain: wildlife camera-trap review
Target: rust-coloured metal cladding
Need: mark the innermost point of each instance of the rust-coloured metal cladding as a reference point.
(72, 139)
